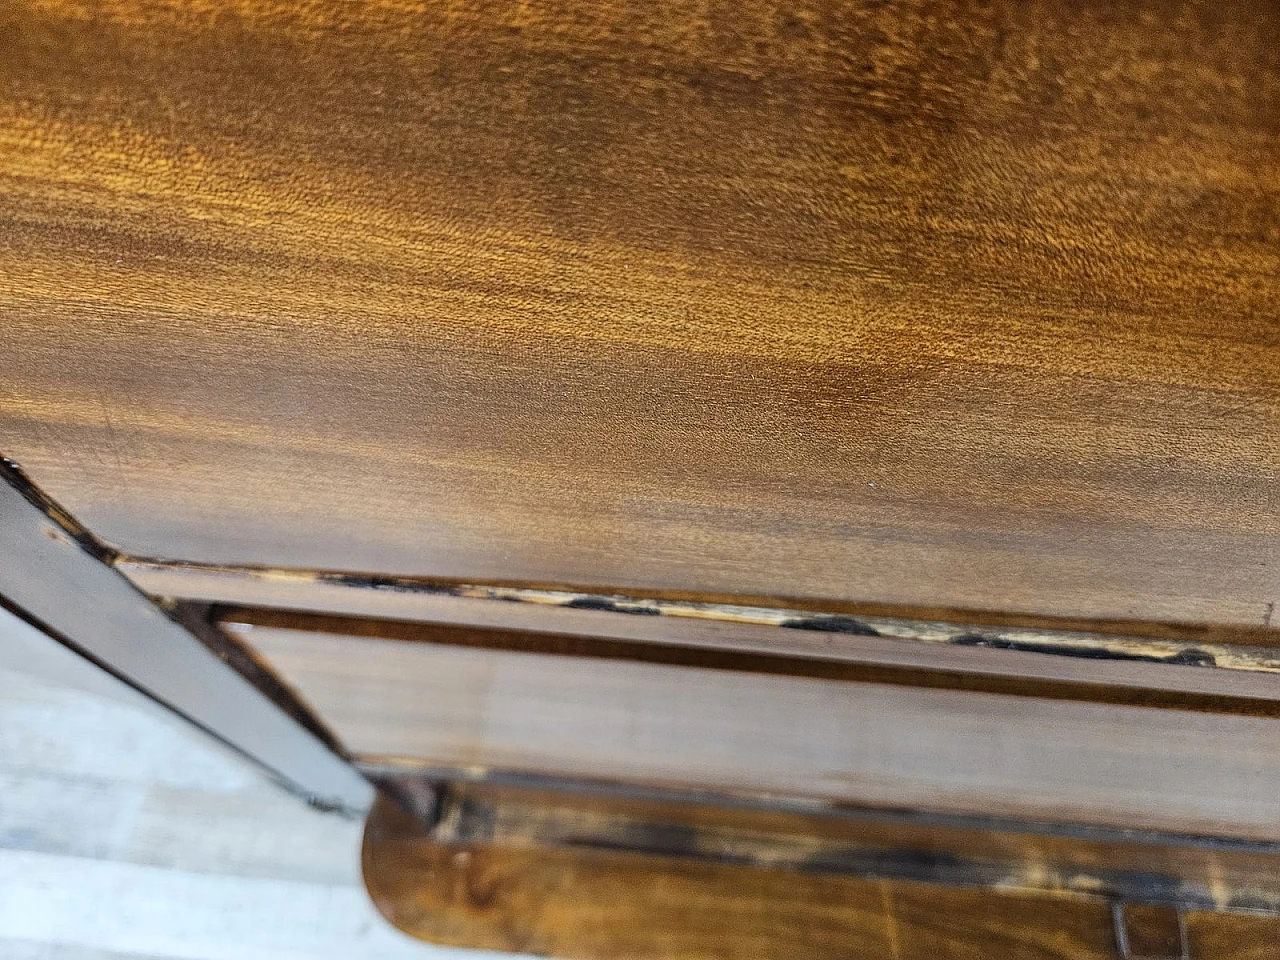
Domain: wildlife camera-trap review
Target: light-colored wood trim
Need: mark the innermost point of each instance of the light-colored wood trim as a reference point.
(867, 743)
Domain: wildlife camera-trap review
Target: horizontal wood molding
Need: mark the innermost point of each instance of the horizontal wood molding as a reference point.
(473, 698)
(1066, 666)
(1168, 870)
(495, 872)
(1176, 659)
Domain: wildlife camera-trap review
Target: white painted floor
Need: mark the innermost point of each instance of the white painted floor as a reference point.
(124, 835)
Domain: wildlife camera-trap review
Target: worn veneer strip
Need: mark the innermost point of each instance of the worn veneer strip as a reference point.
(444, 697)
(1233, 663)
(495, 890)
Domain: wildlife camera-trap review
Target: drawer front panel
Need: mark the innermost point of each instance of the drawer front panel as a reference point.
(441, 704)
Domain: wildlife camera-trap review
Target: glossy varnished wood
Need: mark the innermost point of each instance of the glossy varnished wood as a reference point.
(923, 302)
(1163, 871)
(590, 902)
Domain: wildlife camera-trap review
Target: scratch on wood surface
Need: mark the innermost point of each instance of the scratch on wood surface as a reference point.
(890, 920)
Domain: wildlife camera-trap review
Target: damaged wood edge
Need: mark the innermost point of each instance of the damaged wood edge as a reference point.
(775, 662)
(61, 579)
(1129, 866)
(409, 598)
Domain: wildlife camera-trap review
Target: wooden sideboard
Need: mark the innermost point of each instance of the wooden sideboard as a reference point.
(736, 479)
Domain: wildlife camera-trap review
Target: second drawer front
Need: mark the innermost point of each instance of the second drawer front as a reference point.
(437, 704)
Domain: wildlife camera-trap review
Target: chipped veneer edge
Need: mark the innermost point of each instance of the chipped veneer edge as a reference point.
(1078, 644)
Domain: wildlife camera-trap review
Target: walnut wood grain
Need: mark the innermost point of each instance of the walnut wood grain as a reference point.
(925, 303)
(587, 902)
(1168, 871)
(591, 904)
(1233, 936)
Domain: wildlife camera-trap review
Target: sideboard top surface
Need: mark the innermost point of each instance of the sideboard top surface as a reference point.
(920, 303)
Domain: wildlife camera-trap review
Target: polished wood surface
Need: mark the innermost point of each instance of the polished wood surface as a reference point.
(591, 903)
(1236, 937)
(925, 302)
(1127, 671)
(1123, 866)
(453, 697)
(1146, 931)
